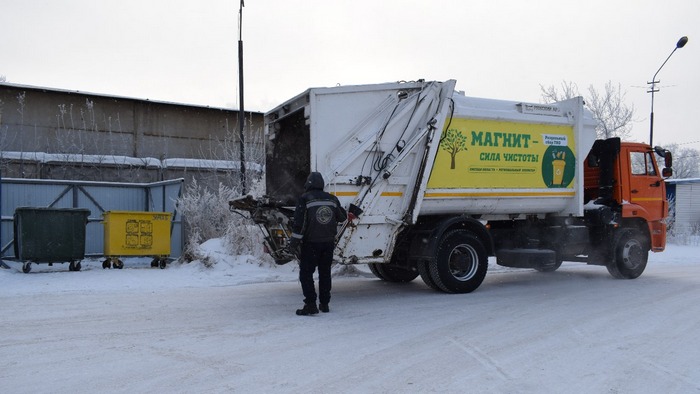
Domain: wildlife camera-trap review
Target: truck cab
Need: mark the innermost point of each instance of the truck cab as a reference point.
(643, 186)
(623, 183)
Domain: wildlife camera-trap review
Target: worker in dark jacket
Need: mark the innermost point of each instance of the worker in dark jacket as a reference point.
(316, 221)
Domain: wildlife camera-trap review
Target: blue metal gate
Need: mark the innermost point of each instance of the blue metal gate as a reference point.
(98, 197)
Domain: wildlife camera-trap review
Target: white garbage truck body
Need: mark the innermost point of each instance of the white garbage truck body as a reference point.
(424, 170)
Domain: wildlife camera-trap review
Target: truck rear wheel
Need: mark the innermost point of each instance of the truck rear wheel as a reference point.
(460, 263)
(630, 255)
(424, 270)
(375, 270)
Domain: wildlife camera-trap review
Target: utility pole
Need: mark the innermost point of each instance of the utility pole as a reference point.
(241, 110)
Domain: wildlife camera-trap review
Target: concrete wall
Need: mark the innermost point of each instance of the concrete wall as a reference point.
(35, 119)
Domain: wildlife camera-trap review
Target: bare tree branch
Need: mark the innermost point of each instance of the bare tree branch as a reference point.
(566, 91)
(613, 116)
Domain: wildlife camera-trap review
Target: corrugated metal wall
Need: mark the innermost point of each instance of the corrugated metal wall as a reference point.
(687, 205)
(98, 197)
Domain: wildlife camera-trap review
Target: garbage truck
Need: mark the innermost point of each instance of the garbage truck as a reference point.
(436, 182)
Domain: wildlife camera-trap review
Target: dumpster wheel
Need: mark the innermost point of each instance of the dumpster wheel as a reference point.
(26, 267)
(112, 262)
(159, 262)
(74, 266)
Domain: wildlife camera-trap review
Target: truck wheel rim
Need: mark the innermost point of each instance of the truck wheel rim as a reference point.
(632, 254)
(463, 262)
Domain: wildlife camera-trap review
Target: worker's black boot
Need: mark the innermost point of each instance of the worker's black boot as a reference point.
(308, 309)
(324, 308)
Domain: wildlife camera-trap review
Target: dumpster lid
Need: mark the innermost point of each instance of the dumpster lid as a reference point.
(51, 209)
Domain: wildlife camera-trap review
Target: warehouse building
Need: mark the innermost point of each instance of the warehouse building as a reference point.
(60, 134)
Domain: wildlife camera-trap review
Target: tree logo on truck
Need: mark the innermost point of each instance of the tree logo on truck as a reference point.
(453, 142)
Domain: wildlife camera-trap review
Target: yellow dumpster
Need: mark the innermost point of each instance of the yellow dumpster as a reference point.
(134, 233)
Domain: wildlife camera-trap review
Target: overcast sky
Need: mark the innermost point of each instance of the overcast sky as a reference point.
(186, 51)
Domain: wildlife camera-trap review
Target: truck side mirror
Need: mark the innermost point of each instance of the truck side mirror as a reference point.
(668, 161)
(666, 154)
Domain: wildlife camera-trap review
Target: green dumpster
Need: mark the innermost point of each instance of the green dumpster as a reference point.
(50, 235)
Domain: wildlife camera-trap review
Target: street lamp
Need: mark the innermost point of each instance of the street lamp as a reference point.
(680, 44)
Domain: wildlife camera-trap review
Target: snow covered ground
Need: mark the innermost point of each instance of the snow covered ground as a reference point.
(232, 328)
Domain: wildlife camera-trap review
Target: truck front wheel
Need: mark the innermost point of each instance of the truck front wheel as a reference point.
(460, 263)
(630, 255)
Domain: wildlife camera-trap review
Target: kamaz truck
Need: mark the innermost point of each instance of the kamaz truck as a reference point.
(435, 182)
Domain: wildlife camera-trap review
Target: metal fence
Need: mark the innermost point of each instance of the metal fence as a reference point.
(98, 197)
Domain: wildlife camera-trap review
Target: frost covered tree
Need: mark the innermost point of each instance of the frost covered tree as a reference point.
(686, 161)
(613, 116)
(207, 216)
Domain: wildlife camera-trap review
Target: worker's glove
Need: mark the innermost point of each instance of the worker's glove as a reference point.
(294, 246)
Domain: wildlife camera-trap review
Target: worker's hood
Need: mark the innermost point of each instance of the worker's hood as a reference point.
(314, 181)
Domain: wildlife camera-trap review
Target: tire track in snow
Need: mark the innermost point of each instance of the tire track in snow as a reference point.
(481, 357)
(673, 374)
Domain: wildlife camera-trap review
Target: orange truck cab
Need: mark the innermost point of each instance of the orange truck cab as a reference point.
(625, 192)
